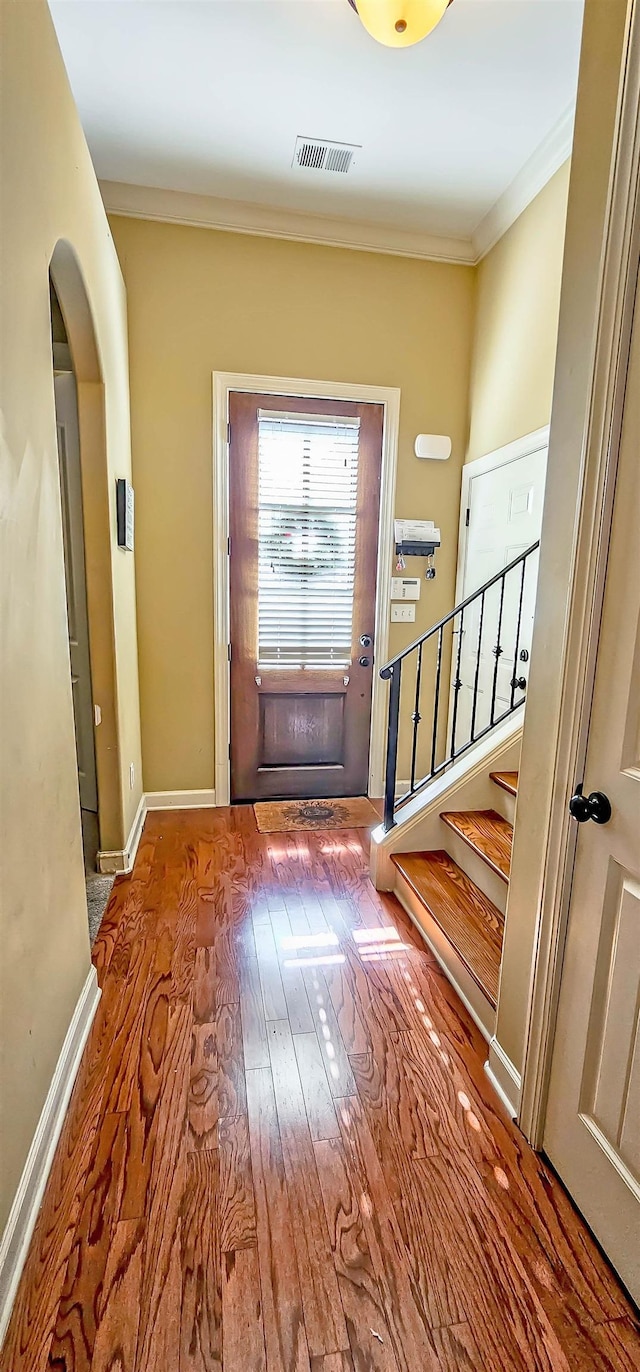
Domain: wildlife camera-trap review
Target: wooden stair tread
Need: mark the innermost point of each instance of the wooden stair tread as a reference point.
(487, 833)
(507, 780)
(467, 917)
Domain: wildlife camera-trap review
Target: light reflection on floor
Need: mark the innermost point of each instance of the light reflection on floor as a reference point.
(313, 950)
(293, 942)
(326, 960)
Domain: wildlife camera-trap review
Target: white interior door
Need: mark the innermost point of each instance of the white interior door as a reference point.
(75, 576)
(592, 1130)
(504, 517)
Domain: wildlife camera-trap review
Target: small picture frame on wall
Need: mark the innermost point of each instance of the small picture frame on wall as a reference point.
(124, 509)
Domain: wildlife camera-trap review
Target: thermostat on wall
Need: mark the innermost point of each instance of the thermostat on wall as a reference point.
(124, 511)
(405, 588)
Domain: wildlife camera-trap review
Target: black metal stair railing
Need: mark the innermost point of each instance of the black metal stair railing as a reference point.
(496, 614)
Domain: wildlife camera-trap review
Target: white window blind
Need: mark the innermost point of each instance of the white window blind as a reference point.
(308, 481)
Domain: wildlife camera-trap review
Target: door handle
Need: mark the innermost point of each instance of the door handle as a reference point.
(364, 661)
(365, 640)
(596, 806)
(519, 683)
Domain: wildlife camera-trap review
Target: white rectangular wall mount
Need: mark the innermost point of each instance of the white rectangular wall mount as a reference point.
(405, 587)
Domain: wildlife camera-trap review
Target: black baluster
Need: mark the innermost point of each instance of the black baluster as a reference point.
(514, 678)
(416, 717)
(477, 675)
(436, 702)
(392, 673)
(456, 686)
(497, 653)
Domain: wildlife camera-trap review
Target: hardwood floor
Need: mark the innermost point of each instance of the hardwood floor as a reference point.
(282, 1153)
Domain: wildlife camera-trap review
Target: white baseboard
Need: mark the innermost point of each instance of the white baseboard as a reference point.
(180, 800)
(28, 1199)
(504, 1077)
(120, 861)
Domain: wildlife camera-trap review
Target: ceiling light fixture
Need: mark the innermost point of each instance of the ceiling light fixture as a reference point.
(399, 23)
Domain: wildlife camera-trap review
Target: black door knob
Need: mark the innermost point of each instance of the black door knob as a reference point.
(519, 683)
(365, 640)
(595, 806)
(364, 661)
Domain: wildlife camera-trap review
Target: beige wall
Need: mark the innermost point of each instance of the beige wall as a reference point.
(516, 325)
(201, 300)
(48, 192)
(604, 27)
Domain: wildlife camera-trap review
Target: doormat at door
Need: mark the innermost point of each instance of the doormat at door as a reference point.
(351, 812)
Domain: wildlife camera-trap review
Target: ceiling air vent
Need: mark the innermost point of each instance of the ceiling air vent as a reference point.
(318, 154)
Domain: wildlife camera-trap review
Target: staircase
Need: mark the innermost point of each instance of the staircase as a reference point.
(453, 909)
(455, 719)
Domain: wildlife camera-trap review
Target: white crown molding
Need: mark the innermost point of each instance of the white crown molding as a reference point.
(541, 166)
(266, 221)
(239, 216)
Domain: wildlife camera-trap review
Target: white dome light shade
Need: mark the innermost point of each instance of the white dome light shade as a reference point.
(400, 23)
(433, 447)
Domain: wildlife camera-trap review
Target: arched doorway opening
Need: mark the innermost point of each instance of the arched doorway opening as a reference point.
(79, 404)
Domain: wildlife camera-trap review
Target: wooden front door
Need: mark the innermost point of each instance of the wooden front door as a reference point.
(304, 514)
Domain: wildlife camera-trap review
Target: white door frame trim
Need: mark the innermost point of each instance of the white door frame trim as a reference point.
(389, 397)
(520, 447)
(621, 254)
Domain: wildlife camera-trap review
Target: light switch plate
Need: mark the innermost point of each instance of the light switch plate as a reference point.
(403, 614)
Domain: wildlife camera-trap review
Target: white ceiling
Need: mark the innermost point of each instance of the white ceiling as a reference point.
(207, 96)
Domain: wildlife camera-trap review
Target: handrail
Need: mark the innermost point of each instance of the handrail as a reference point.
(385, 672)
(392, 671)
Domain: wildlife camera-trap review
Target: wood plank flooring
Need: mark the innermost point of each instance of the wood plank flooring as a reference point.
(282, 1153)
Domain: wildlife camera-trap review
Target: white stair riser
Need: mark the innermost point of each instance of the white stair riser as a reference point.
(504, 803)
